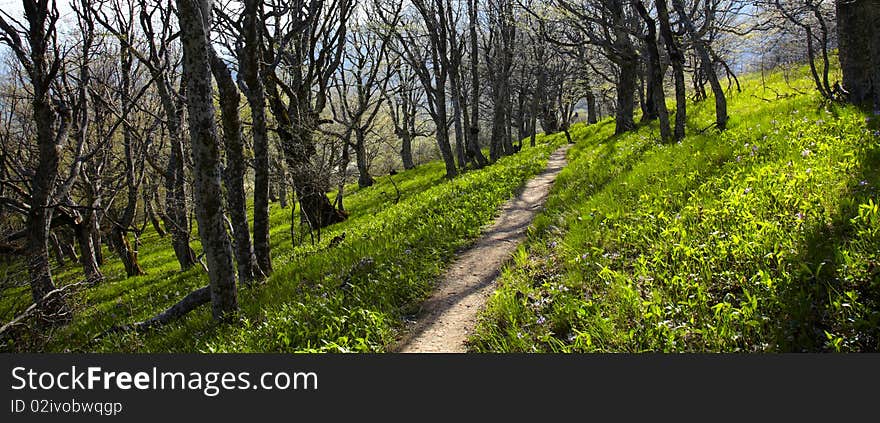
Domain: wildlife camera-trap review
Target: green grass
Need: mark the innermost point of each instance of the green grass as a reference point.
(353, 297)
(762, 238)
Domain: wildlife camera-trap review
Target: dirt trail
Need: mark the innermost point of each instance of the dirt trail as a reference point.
(447, 318)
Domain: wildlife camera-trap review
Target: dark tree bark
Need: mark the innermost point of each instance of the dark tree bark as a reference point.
(858, 28)
(360, 150)
(251, 58)
(159, 66)
(313, 57)
(153, 216)
(119, 231)
(677, 59)
(473, 135)
(656, 71)
(431, 64)
(195, 18)
(56, 248)
(707, 63)
(541, 78)
(52, 123)
(499, 60)
(234, 173)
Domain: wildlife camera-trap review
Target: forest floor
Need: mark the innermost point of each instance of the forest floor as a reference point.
(447, 318)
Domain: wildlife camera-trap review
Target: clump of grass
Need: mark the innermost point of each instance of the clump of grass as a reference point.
(350, 297)
(761, 238)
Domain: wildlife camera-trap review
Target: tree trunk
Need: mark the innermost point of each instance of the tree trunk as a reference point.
(282, 186)
(234, 174)
(655, 72)
(440, 120)
(406, 149)
(592, 115)
(646, 91)
(126, 253)
(315, 206)
(176, 203)
(677, 59)
(68, 249)
(195, 18)
(626, 89)
(56, 248)
(536, 95)
(456, 117)
(251, 72)
(154, 219)
(95, 228)
(473, 142)
(39, 217)
(708, 67)
(857, 28)
(360, 149)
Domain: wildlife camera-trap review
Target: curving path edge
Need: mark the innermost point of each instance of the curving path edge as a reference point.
(448, 317)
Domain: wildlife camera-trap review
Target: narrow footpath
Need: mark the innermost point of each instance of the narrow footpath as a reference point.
(448, 317)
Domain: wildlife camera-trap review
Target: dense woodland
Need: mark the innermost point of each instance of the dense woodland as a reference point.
(191, 119)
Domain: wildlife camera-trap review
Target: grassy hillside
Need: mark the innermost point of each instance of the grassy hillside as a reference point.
(352, 297)
(761, 238)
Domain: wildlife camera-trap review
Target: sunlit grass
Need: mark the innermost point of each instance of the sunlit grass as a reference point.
(352, 297)
(763, 238)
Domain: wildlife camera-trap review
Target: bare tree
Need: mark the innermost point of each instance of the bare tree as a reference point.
(161, 63)
(360, 81)
(655, 71)
(303, 51)
(707, 63)
(35, 46)
(250, 57)
(195, 28)
(427, 51)
(677, 59)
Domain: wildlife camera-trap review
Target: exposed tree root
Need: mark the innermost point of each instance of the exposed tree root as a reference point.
(189, 303)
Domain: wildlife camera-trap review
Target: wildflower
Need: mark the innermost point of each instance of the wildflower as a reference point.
(809, 170)
(863, 183)
(553, 244)
(799, 216)
(747, 190)
(541, 320)
(571, 337)
(789, 163)
(805, 153)
(739, 158)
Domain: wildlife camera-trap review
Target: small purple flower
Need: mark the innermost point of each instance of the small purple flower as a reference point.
(739, 158)
(747, 190)
(541, 320)
(552, 244)
(863, 183)
(800, 216)
(806, 152)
